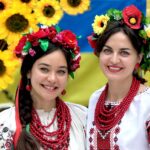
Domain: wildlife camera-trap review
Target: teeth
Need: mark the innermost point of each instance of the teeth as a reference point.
(49, 87)
(114, 68)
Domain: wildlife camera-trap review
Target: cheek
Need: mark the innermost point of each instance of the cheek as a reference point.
(36, 77)
(102, 60)
(64, 81)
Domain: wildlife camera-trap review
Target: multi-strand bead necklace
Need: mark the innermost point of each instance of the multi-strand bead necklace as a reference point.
(54, 140)
(105, 119)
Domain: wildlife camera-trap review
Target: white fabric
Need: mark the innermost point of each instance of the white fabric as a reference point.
(77, 132)
(133, 134)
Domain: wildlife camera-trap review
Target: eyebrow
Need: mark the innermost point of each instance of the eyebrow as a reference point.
(128, 49)
(47, 65)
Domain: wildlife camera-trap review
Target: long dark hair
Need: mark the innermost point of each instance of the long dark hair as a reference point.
(26, 141)
(117, 26)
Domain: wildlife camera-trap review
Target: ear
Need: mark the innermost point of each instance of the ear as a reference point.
(140, 56)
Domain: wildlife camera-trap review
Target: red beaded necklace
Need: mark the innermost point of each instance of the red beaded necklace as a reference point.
(58, 139)
(106, 119)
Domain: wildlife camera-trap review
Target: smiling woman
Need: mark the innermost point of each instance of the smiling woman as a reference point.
(119, 112)
(40, 118)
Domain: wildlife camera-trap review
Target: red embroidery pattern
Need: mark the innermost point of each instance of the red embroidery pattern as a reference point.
(100, 142)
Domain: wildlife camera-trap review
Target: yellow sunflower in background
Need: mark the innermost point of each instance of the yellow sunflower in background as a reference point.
(8, 65)
(4, 5)
(48, 12)
(16, 21)
(3, 44)
(30, 3)
(74, 7)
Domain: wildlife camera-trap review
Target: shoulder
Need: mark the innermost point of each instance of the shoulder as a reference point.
(144, 95)
(95, 96)
(7, 118)
(142, 102)
(78, 112)
(77, 108)
(7, 115)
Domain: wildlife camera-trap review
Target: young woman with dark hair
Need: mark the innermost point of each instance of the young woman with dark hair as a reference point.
(40, 120)
(119, 112)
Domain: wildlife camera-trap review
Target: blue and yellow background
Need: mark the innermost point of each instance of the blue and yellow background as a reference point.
(89, 77)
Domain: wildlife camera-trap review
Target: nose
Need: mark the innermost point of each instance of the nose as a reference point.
(52, 77)
(115, 58)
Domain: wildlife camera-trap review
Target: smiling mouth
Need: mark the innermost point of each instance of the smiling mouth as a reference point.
(114, 68)
(50, 88)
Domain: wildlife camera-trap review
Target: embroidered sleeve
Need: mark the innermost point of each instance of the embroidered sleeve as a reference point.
(6, 138)
(148, 130)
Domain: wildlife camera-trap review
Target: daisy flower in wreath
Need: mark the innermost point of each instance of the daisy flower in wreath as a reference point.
(48, 12)
(15, 22)
(4, 5)
(74, 7)
(100, 23)
(8, 65)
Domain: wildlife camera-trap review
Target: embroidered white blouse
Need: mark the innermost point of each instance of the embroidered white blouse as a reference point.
(77, 132)
(132, 133)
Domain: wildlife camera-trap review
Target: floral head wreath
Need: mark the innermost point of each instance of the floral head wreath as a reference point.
(134, 19)
(63, 38)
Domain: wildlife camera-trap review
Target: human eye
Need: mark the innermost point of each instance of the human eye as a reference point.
(62, 72)
(124, 53)
(107, 51)
(44, 69)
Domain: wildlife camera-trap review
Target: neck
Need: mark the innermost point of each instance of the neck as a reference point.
(118, 90)
(45, 105)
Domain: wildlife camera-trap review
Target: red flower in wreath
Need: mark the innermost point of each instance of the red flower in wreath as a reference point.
(132, 17)
(67, 39)
(92, 41)
(75, 64)
(19, 47)
(52, 32)
(42, 33)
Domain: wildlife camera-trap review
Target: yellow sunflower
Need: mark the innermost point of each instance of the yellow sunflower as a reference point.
(15, 22)
(48, 12)
(8, 65)
(100, 23)
(74, 7)
(4, 5)
(29, 3)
